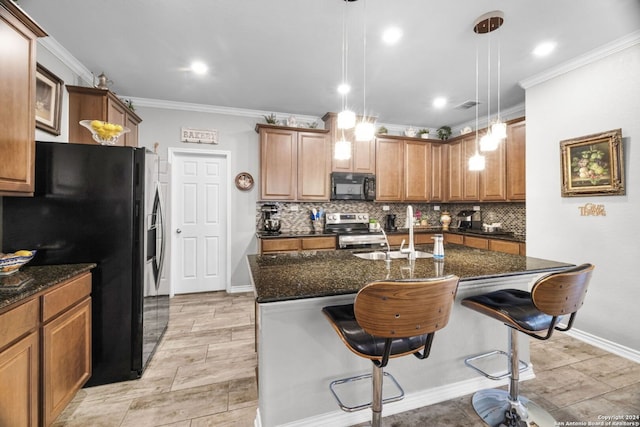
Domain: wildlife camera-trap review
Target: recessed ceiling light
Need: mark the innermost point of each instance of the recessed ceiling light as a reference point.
(440, 102)
(392, 35)
(199, 67)
(344, 89)
(544, 49)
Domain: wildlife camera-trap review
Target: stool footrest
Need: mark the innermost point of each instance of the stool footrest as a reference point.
(523, 366)
(395, 398)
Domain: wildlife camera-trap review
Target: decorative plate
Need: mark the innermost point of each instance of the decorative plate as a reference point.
(244, 181)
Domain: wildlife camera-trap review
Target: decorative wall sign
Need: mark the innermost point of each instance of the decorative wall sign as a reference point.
(244, 181)
(48, 100)
(592, 210)
(593, 165)
(201, 136)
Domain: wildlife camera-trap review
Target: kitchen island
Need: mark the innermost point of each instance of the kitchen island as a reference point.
(299, 353)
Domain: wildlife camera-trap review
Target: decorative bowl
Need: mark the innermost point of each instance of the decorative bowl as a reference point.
(11, 263)
(104, 133)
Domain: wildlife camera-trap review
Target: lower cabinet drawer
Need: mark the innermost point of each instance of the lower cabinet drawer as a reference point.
(280, 245)
(18, 322)
(65, 296)
(476, 242)
(458, 239)
(308, 243)
(504, 246)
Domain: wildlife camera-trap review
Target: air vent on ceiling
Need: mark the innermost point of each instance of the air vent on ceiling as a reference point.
(466, 105)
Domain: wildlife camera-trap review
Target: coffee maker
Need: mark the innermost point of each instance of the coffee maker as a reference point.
(470, 219)
(270, 220)
(390, 223)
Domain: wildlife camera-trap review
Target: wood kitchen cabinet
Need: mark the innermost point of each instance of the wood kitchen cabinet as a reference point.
(404, 169)
(18, 34)
(45, 352)
(463, 184)
(294, 244)
(493, 178)
(516, 161)
(389, 169)
(19, 365)
(294, 164)
(363, 153)
(66, 344)
(438, 172)
(88, 103)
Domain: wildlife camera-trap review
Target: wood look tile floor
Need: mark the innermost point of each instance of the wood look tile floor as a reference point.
(203, 374)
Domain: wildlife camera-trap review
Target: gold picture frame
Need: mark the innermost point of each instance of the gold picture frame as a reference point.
(48, 100)
(593, 165)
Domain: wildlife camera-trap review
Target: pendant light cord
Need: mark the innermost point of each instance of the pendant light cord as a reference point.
(364, 60)
(345, 49)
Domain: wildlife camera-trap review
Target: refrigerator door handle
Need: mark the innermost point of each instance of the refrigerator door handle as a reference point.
(163, 226)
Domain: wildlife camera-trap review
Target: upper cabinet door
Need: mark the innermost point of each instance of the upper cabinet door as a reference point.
(314, 166)
(493, 177)
(389, 169)
(516, 161)
(17, 99)
(278, 164)
(417, 171)
(363, 153)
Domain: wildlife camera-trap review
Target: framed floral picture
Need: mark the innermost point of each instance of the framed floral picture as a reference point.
(593, 165)
(48, 100)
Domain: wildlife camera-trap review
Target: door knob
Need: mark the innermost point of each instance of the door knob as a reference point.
(178, 231)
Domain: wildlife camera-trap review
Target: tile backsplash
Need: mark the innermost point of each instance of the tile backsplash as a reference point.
(295, 216)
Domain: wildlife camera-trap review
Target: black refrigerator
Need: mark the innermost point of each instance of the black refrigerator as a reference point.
(100, 204)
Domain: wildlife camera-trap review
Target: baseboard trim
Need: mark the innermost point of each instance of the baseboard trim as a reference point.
(610, 346)
(411, 401)
(240, 289)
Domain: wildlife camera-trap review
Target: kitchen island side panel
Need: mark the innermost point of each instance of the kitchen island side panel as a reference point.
(299, 354)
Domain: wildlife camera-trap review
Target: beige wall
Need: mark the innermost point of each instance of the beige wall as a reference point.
(593, 98)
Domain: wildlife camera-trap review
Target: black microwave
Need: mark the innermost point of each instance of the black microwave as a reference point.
(353, 186)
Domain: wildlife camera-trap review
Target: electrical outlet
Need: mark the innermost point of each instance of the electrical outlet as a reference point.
(436, 208)
(385, 208)
(476, 208)
(293, 208)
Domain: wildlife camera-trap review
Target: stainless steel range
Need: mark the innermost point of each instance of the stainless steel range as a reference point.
(353, 230)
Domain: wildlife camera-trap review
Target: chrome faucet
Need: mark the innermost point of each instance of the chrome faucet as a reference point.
(387, 257)
(410, 250)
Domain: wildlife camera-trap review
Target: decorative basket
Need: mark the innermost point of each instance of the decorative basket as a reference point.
(11, 263)
(104, 133)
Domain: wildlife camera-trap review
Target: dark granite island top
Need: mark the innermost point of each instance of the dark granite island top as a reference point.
(290, 276)
(39, 278)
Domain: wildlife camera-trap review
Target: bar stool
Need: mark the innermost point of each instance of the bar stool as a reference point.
(537, 314)
(390, 319)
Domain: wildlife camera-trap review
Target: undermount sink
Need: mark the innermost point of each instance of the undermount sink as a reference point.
(381, 256)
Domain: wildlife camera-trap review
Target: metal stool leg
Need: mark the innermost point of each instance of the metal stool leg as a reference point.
(376, 402)
(506, 408)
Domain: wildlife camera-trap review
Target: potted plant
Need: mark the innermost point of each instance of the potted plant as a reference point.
(271, 119)
(423, 133)
(382, 130)
(444, 132)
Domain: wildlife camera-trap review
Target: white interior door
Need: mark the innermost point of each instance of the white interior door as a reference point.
(200, 247)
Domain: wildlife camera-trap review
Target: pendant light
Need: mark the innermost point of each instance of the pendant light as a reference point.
(365, 130)
(346, 118)
(499, 128)
(486, 24)
(477, 161)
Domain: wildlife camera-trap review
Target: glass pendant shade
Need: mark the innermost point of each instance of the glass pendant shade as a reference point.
(489, 142)
(346, 119)
(476, 162)
(342, 150)
(499, 130)
(365, 131)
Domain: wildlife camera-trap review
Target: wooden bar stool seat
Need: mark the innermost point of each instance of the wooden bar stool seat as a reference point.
(537, 314)
(391, 319)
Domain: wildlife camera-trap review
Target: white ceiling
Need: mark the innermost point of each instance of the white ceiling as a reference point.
(285, 55)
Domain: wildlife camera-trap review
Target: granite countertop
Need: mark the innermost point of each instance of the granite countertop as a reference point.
(308, 274)
(416, 230)
(39, 279)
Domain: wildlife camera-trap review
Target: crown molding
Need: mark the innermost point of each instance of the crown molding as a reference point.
(215, 109)
(67, 58)
(582, 60)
